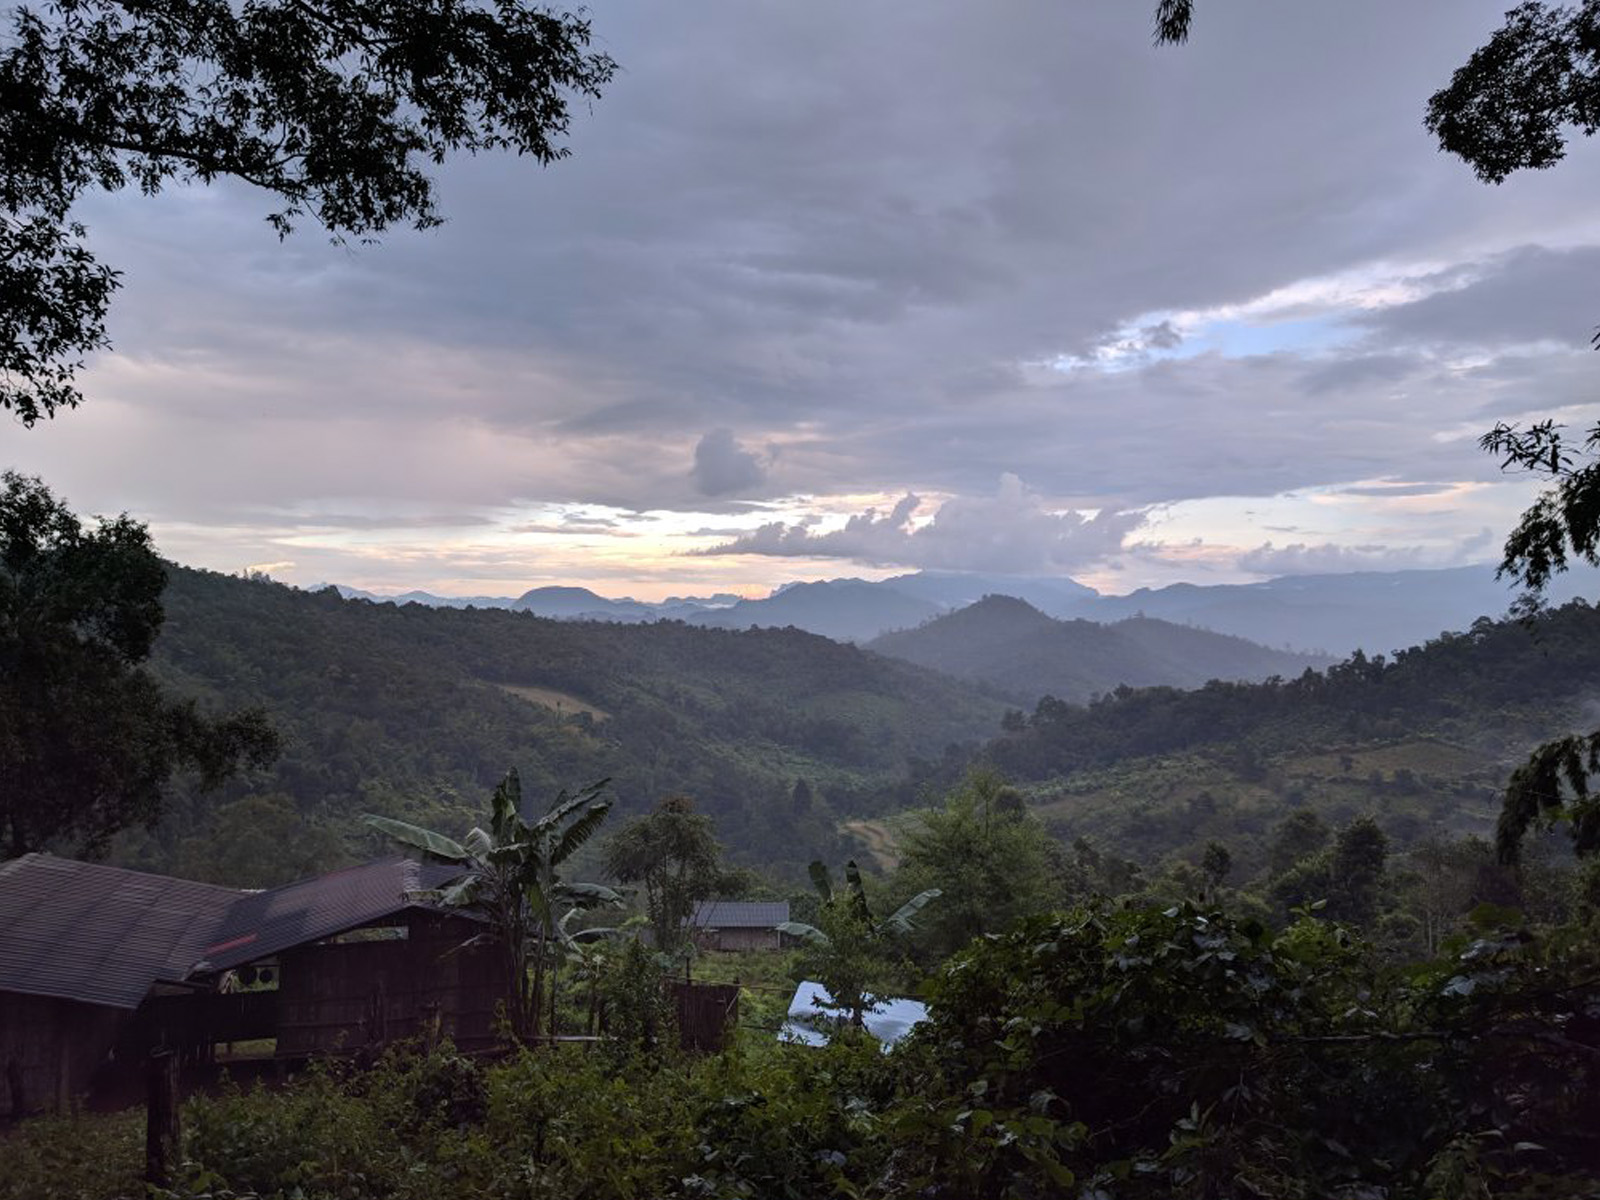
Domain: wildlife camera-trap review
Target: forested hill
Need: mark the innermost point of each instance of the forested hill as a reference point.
(1013, 647)
(1425, 740)
(417, 711)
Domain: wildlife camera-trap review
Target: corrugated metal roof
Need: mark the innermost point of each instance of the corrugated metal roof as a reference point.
(103, 935)
(739, 914)
(264, 923)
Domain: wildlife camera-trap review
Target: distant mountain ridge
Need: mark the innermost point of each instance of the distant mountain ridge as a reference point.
(1328, 614)
(1025, 654)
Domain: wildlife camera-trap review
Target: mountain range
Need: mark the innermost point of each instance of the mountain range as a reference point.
(1335, 614)
(1023, 654)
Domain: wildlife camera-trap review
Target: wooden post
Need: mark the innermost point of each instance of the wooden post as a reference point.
(161, 1117)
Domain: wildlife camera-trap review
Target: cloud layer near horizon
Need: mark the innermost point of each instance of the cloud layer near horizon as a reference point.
(808, 260)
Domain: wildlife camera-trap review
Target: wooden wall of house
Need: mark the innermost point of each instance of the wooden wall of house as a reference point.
(343, 996)
(740, 939)
(49, 1050)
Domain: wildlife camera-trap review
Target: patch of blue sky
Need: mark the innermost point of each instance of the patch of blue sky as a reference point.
(1227, 337)
(1247, 339)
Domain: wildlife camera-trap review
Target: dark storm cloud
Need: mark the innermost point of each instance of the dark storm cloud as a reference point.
(722, 465)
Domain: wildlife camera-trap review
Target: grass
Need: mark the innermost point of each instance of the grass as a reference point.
(90, 1156)
(561, 702)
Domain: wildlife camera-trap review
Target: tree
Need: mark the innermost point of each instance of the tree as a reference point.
(88, 739)
(1509, 107)
(846, 949)
(990, 858)
(675, 856)
(1299, 835)
(1348, 877)
(1555, 785)
(337, 109)
(509, 876)
(1215, 864)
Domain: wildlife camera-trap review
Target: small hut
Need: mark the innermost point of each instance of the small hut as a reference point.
(739, 924)
(99, 965)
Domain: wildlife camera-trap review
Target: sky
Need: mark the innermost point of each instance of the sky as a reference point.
(832, 289)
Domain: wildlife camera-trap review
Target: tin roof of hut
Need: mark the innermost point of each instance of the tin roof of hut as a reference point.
(99, 934)
(739, 914)
(262, 924)
(104, 935)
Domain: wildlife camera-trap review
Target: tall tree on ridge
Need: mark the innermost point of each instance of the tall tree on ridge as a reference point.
(88, 739)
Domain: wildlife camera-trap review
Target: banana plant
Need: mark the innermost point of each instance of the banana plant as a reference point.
(510, 878)
(855, 901)
(849, 951)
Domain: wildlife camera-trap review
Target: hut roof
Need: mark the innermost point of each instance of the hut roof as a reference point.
(739, 914)
(263, 923)
(102, 935)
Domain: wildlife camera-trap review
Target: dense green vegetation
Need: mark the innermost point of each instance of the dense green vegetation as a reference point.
(783, 738)
(416, 712)
(1347, 1020)
(89, 739)
(1425, 741)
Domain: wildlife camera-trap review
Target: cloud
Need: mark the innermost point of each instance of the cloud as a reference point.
(722, 466)
(858, 250)
(267, 568)
(1326, 558)
(1010, 532)
(1161, 336)
(1527, 296)
(1398, 489)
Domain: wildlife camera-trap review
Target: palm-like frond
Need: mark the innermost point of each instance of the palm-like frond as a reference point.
(858, 891)
(900, 922)
(580, 831)
(821, 880)
(599, 934)
(566, 803)
(809, 933)
(507, 807)
(435, 844)
(586, 895)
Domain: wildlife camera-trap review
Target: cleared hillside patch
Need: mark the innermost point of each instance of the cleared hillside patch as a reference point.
(561, 702)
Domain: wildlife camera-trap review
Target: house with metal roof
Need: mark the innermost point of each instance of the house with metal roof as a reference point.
(100, 964)
(739, 924)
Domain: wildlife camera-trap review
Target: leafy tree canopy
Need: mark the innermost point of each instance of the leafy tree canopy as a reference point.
(989, 856)
(335, 108)
(1511, 105)
(88, 739)
(673, 853)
